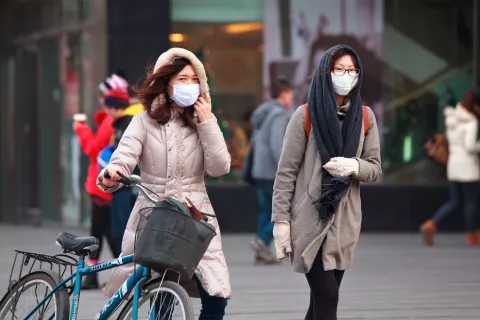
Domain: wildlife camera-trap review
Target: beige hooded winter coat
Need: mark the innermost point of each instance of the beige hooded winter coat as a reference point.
(173, 161)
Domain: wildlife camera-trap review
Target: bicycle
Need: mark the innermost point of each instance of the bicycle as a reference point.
(144, 286)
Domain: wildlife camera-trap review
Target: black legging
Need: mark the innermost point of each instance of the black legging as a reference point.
(324, 287)
(100, 227)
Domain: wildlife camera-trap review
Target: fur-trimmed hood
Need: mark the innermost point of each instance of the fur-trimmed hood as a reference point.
(169, 56)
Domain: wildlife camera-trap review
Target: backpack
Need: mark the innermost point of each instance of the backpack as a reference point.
(437, 148)
(308, 123)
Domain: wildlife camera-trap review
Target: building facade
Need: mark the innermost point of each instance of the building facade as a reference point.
(53, 56)
(418, 56)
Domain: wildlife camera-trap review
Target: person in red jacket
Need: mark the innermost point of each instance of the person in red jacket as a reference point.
(92, 143)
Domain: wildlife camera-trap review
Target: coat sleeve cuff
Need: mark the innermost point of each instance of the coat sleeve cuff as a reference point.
(358, 173)
(209, 122)
(367, 171)
(281, 217)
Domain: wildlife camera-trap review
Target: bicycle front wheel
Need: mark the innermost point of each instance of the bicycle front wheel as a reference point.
(26, 294)
(169, 301)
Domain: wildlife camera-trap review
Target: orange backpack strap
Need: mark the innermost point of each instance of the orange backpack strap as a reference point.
(366, 121)
(307, 124)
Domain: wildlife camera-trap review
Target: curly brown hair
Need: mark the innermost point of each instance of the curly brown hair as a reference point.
(154, 88)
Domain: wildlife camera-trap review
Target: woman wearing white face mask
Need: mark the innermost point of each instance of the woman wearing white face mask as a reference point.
(331, 145)
(175, 143)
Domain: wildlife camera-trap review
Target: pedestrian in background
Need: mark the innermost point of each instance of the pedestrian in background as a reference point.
(117, 105)
(331, 145)
(463, 169)
(269, 123)
(92, 143)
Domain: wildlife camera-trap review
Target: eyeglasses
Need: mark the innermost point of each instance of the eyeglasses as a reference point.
(340, 72)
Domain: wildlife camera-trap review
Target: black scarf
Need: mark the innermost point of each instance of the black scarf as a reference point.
(333, 140)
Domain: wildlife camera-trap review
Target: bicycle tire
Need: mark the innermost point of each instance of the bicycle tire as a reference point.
(51, 279)
(167, 286)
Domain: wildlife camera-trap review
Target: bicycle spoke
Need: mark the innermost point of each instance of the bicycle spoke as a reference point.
(162, 303)
(22, 303)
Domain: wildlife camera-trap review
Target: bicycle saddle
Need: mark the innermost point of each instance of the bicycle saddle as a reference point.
(77, 245)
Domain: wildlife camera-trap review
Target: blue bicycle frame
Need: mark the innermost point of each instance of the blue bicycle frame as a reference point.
(135, 281)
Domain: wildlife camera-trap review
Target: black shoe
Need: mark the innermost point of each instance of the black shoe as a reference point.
(90, 282)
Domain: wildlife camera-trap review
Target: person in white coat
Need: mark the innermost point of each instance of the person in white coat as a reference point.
(463, 168)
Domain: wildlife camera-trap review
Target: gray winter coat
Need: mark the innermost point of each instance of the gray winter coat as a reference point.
(269, 122)
(298, 183)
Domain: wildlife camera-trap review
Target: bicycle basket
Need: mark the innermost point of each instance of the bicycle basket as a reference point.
(168, 237)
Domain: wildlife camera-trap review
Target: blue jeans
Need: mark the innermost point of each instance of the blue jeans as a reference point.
(123, 201)
(461, 194)
(264, 224)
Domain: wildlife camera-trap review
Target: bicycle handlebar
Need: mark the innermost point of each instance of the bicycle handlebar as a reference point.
(133, 181)
(136, 181)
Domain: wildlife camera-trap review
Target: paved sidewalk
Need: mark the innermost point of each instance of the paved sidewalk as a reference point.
(394, 277)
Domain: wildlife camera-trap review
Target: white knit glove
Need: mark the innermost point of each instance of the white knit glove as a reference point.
(283, 244)
(342, 167)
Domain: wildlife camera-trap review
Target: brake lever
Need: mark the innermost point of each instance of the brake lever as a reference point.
(123, 178)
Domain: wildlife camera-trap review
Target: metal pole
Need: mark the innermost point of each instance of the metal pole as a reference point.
(476, 43)
(284, 10)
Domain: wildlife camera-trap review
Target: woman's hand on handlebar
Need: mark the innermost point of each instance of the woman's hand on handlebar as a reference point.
(112, 178)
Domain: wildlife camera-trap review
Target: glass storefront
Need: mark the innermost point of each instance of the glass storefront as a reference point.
(417, 60)
(417, 56)
(50, 78)
(428, 65)
(228, 37)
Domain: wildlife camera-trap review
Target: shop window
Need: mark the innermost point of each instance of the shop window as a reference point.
(422, 76)
(232, 55)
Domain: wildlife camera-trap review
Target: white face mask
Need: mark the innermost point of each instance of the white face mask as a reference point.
(185, 95)
(343, 84)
